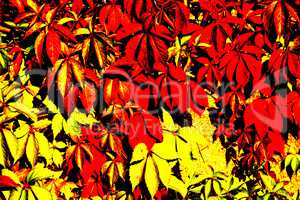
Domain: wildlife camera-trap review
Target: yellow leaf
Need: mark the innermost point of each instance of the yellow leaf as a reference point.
(27, 99)
(32, 5)
(151, 177)
(41, 193)
(2, 153)
(40, 173)
(21, 108)
(62, 78)
(57, 158)
(67, 189)
(11, 142)
(18, 194)
(177, 185)
(137, 164)
(50, 105)
(164, 169)
(167, 148)
(41, 124)
(65, 20)
(50, 14)
(31, 150)
(57, 124)
(43, 145)
(168, 121)
(82, 31)
(22, 135)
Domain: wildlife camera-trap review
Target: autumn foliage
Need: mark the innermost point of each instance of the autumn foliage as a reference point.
(98, 98)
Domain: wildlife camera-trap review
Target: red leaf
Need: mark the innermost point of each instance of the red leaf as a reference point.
(38, 47)
(7, 182)
(143, 128)
(88, 96)
(279, 18)
(53, 46)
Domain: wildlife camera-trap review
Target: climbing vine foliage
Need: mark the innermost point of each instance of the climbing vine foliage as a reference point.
(149, 99)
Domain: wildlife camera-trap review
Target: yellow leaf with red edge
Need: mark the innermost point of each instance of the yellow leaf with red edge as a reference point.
(78, 72)
(85, 49)
(99, 53)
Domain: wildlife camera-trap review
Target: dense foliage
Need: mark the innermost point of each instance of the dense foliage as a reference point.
(100, 99)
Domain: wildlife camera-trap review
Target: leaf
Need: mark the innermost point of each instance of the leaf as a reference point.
(78, 72)
(18, 194)
(41, 193)
(99, 53)
(43, 145)
(137, 164)
(207, 188)
(21, 108)
(57, 158)
(53, 46)
(178, 185)
(36, 26)
(168, 121)
(39, 173)
(11, 175)
(7, 182)
(151, 176)
(82, 31)
(41, 124)
(57, 124)
(88, 96)
(38, 47)
(31, 150)
(163, 168)
(62, 78)
(268, 181)
(11, 141)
